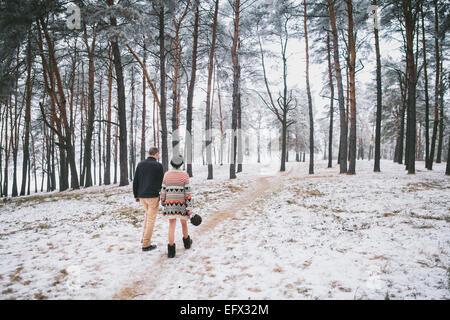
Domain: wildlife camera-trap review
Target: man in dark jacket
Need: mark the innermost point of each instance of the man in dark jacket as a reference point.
(146, 187)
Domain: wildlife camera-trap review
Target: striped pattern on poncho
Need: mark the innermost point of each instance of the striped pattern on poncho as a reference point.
(176, 194)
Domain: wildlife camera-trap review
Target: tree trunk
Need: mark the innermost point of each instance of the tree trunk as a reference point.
(163, 106)
(236, 89)
(351, 44)
(222, 137)
(132, 150)
(121, 107)
(99, 145)
(107, 177)
(308, 92)
(6, 149)
(283, 143)
(376, 166)
(447, 168)
(175, 88)
(427, 99)
(123, 155)
(57, 97)
(26, 143)
(91, 111)
(441, 117)
(411, 124)
(34, 164)
(401, 136)
(2, 110)
(116, 149)
(240, 147)
(144, 109)
(343, 124)
(208, 139)
(82, 111)
(190, 95)
(330, 80)
(436, 87)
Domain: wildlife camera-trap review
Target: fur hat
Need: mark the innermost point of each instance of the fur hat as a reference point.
(177, 160)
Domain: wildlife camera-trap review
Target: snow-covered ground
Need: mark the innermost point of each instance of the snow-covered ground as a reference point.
(264, 235)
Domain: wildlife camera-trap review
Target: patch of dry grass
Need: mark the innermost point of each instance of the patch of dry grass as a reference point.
(420, 186)
(7, 291)
(234, 188)
(66, 195)
(419, 216)
(131, 215)
(380, 257)
(307, 193)
(40, 296)
(58, 278)
(15, 276)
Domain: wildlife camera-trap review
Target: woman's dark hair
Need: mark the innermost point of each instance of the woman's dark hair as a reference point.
(176, 166)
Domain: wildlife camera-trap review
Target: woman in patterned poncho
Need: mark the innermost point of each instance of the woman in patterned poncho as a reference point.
(177, 201)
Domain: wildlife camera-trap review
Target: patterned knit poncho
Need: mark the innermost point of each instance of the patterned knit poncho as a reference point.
(176, 195)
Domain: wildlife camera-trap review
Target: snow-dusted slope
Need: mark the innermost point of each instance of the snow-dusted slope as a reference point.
(265, 236)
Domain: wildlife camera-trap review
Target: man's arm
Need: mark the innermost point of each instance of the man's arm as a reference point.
(136, 182)
(161, 175)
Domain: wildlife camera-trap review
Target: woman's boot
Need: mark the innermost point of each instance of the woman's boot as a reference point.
(171, 250)
(187, 242)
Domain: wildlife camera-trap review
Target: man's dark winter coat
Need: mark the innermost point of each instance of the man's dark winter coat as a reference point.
(148, 178)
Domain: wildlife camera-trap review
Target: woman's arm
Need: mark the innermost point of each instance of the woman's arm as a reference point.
(188, 197)
(163, 193)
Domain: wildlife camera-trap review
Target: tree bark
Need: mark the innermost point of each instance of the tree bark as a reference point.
(107, 176)
(144, 109)
(236, 89)
(409, 17)
(447, 168)
(208, 139)
(121, 108)
(132, 149)
(123, 155)
(441, 117)
(177, 49)
(190, 95)
(162, 109)
(26, 143)
(57, 98)
(352, 62)
(91, 110)
(330, 80)
(436, 87)
(343, 124)
(222, 137)
(308, 92)
(376, 166)
(427, 99)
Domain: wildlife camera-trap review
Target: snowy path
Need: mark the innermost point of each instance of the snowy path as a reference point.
(264, 236)
(254, 189)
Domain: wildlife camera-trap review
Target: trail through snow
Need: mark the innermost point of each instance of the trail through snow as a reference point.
(265, 235)
(256, 188)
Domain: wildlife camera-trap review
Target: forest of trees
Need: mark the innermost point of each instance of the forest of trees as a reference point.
(88, 86)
